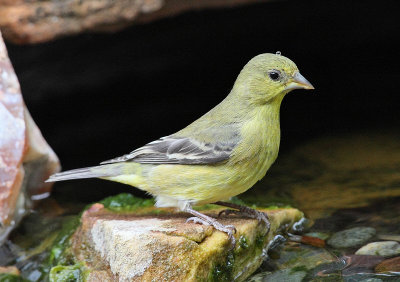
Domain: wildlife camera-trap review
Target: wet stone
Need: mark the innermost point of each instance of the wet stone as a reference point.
(134, 245)
(371, 280)
(302, 256)
(284, 275)
(356, 264)
(352, 237)
(389, 265)
(385, 249)
(320, 235)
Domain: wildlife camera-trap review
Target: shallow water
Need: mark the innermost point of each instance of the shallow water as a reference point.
(338, 182)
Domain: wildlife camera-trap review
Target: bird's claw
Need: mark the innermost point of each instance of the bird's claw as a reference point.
(228, 212)
(195, 219)
(252, 213)
(228, 229)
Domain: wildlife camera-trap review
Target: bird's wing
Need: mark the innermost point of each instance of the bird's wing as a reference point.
(179, 150)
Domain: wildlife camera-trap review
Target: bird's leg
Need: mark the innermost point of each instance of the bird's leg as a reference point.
(206, 220)
(252, 213)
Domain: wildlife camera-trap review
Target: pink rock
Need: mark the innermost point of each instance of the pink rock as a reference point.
(26, 160)
(32, 21)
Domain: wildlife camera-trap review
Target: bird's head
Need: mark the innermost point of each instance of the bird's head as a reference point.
(269, 76)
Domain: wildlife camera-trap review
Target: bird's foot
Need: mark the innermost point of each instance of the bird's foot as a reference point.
(209, 221)
(228, 229)
(249, 212)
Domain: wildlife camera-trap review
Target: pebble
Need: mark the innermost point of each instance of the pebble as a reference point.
(283, 275)
(384, 249)
(387, 265)
(352, 237)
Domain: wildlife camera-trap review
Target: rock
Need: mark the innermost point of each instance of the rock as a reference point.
(149, 244)
(10, 273)
(352, 237)
(308, 240)
(356, 264)
(292, 262)
(283, 275)
(27, 21)
(384, 249)
(388, 265)
(301, 256)
(9, 270)
(320, 235)
(25, 158)
(388, 237)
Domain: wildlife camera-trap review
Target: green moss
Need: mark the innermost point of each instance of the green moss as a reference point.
(6, 277)
(64, 268)
(223, 271)
(58, 251)
(126, 202)
(70, 273)
(157, 212)
(301, 268)
(243, 244)
(259, 241)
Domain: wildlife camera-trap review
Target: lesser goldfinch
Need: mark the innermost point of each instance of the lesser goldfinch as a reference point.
(218, 156)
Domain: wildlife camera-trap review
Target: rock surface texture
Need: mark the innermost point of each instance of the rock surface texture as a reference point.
(26, 160)
(27, 21)
(131, 247)
(384, 249)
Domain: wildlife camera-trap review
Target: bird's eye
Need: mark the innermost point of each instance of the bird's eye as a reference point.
(274, 75)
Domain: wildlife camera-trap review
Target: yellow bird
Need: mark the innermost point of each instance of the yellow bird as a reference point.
(218, 156)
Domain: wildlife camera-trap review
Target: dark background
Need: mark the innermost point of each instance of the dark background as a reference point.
(98, 96)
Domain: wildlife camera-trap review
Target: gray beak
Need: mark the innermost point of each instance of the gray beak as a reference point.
(299, 82)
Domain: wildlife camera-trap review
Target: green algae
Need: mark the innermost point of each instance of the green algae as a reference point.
(6, 277)
(68, 273)
(223, 271)
(243, 243)
(126, 202)
(300, 268)
(259, 241)
(58, 253)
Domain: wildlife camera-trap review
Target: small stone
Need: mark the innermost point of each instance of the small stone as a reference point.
(388, 237)
(9, 270)
(384, 249)
(260, 277)
(320, 235)
(285, 275)
(387, 265)
(356, 264)
(352, 237)
(302, 256)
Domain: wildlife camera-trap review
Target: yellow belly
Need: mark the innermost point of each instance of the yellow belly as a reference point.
(201, 184)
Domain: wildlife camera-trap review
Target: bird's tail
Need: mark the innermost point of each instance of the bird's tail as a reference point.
(102, 171)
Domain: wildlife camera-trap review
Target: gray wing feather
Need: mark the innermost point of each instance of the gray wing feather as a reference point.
(180, 150)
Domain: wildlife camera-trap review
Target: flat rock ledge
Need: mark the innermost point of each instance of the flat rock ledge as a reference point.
(161, 246)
